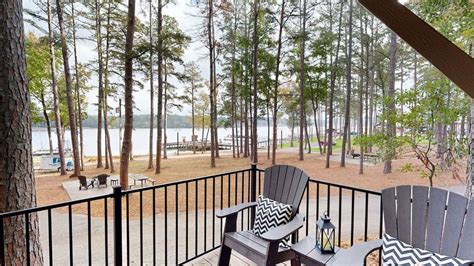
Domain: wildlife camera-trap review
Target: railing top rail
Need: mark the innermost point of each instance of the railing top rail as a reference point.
(53, 206)
(179, 182)
(189, 180)
(338, 185)
(346, 187)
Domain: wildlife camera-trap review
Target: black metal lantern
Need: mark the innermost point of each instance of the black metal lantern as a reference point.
(325, 234)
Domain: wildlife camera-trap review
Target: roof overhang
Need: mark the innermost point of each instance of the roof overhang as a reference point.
(453, 62)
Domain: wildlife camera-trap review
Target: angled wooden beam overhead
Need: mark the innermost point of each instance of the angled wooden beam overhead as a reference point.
(442, 53)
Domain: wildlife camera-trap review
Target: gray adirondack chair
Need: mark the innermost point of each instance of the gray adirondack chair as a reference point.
(282, 183)
(428, 218)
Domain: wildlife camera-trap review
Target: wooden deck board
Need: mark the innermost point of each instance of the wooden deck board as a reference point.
(235, 260)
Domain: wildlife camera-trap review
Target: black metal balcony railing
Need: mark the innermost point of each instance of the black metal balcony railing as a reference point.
(179, 222)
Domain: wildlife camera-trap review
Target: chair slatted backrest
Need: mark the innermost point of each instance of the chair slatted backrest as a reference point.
(82, 180)
(285, 184)
(431, 219)
(102, 178)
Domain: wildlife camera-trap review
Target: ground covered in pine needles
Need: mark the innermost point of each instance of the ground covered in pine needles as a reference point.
(405, 171)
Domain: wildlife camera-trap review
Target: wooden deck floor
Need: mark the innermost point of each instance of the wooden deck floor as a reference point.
(235, 260)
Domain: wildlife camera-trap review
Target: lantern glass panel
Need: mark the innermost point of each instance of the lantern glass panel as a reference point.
(325, 235)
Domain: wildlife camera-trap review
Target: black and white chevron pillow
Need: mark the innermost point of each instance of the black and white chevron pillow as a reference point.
(270, 214)
(396, 252)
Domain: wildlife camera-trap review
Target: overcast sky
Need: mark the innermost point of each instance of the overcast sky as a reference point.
(183, 13)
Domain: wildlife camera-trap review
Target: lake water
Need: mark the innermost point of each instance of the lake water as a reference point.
(139, 138)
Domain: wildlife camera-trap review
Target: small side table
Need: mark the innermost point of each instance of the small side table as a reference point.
(113, 181)
(309, 254)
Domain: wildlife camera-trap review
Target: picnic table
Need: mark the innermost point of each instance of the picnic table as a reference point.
(142, 180)
(372, 156)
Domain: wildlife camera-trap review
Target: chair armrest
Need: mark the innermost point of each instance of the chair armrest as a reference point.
(234, 209)
(282, 231)
(357, 253)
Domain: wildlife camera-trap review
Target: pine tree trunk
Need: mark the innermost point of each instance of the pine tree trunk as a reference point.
(254, 80)
(346, 132)
(54, 88)
(17, 181)
(128, 127)
(193, 117)
(159, 108)
(332, 90)
(101, 88)
(108, 147)
(233, 86)
(77, 91)
(212, 89)
(69, 98)
(308, 137)
(165, 112)
(360, 126)
(48, 123)
(277, 76)
(318, 137)
(152, 114)
(302, 82)
(391, 129)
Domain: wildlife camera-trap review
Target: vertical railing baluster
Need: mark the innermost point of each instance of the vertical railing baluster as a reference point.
(154, 224)
(141, 225)
(214, 212)
(380, 228)
(340, 219)
(228, 190)
(2, 243)
(106, 233)
(307, 209)
(253, 191)
(352, 217)
(242, 201)
(187, 220)
(317, 200)
(117, 196)
(196, 220)
(89, 235)
(50, 237)
(249, 181)
(71, 251)
(27, 238)
(166, 225)
(366, 215)
(176, 223)
(127, 203)
(222, 204)
(259, 182)
(381, 218)
(328, 207)
(205, 214)
(236, 188)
